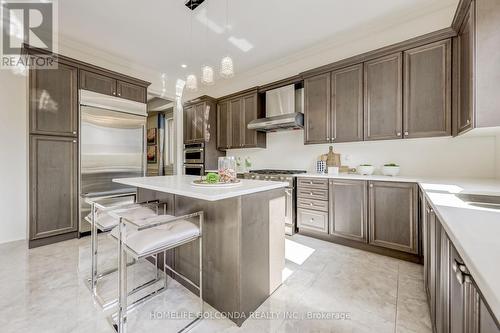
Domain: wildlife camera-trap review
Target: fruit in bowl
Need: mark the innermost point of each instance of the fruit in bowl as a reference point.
(366, 169)
(390, 169)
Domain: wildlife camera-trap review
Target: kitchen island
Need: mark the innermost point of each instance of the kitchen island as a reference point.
(243, 238)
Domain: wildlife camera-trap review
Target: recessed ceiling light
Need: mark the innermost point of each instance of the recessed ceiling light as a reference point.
(184, 66)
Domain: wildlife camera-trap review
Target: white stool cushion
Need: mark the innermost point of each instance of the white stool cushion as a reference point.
(105, 219)
(168, 234)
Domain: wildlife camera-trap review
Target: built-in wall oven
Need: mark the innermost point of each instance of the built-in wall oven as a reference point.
(290, 192)
(194, 169)
(194, 153)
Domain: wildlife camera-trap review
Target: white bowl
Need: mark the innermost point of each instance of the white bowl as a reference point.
(366, 169)
(390, 170)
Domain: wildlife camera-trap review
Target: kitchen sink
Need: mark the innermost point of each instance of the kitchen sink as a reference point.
(480, 200)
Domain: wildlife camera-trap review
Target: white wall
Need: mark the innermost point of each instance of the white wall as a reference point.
(434, 157)
(13, 156)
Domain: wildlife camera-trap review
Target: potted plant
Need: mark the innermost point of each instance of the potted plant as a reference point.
(390, 169)
(366, 169)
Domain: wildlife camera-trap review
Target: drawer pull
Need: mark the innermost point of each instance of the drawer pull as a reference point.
(311, 220)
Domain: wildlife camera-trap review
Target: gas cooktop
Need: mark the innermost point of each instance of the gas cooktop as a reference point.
(277, 172)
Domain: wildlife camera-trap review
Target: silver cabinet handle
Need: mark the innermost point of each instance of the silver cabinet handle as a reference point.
(311, 204)
(460, 277)
(398, 134)
(406, 133)
(311, 220)
(327, 139)
(468, 121)
(333, 139)
(74, 141)
(371, 185)
(74, 132)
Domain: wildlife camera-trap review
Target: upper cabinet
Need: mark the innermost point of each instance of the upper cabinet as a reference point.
(199, 120)
(233, 115)
(478, 63)
(383, 98)
(347, 104)
(106, 85)
(54, 101)
(317, 94)
(427, 90)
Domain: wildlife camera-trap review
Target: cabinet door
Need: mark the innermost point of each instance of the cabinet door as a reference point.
(317, 109)
(131, 91)
(347, 104)
(54, 101)
(465, 114)
(237, 119)
(348, 209)
(188, 124)
(383, 98)
(393, 215)
(98, 83)
(200, 117)
(250, 111)
(53, 186)
(427, 90)
(456, 293)
(223, 125)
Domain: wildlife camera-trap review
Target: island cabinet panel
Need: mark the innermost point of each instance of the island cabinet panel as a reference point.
(347, 104)
(131, 91)
(54, 101)
(348, 209)
(317, 95)
(383, 98)
(53, 186)
(97, 82)
(393, 215)
(427, 90)
(223, 125)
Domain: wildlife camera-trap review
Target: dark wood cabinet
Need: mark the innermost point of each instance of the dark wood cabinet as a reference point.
(53, 186)
(348, 209)
(393, 215)
(427, 90)
(383, 98)
(53, 102)
(234, 114)
(131, 91)
(107, 85)
(317, 94)
(223, 125)
(188, 123)
(465, 71)
(347, 104)
(199, 117)
(97, 82)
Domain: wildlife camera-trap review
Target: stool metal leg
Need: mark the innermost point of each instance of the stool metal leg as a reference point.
(122, 282)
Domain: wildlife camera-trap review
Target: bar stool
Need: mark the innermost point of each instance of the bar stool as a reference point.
(101, 220)
(143, 237)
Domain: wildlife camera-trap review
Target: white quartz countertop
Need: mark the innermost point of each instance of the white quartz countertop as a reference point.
(474, 231)
(181, 185)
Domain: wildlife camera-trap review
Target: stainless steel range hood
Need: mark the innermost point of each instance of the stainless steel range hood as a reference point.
(283, 110)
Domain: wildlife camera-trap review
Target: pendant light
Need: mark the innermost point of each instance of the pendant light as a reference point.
(207, 72)
(191, 79)
(226, 64)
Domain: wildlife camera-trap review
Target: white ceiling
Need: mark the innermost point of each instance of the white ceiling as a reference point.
(156, 33)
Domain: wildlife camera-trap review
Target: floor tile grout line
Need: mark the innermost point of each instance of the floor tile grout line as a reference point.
(397, 301)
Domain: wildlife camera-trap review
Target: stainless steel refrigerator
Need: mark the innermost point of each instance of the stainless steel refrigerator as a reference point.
(112, 145)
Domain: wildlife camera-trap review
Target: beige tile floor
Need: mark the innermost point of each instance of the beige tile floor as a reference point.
(42, 290)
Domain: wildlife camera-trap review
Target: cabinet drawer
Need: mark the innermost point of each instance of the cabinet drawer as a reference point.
(313, 182)
(312, 193)
(312, 204)
(312, 220)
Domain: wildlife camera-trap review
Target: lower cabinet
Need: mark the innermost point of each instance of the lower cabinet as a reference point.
(455, 302)
(53, 186)
(393, 215)
(348, 209)
(312, 204)
(312, 220)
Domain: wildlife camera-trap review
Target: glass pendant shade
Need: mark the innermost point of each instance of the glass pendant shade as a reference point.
(191, 82)
(207, 75)
(226, 67)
